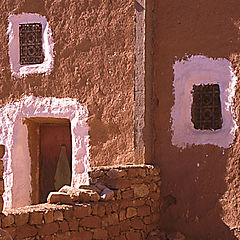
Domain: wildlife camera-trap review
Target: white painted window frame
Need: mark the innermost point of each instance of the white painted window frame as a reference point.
(14, 52)
(195, 71)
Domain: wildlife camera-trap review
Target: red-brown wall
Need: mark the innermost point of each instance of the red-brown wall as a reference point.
(94, 47)
(192, 194)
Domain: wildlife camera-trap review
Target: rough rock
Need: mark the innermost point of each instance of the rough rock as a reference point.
(81, 195)
(107, 194)
(91, 187)
(2, 150)
(140, 190)
(59, 197)
(87, 195)
(100, 186)
(116, 173)
(131, 212)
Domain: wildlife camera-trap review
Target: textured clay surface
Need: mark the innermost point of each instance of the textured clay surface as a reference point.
(200, 185)
(94, 45)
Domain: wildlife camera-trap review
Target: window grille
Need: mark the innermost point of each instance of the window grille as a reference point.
(30, 40)
(206, 107)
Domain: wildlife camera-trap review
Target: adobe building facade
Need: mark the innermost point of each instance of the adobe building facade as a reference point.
(112, 83)
(81, 85)
(189, 45)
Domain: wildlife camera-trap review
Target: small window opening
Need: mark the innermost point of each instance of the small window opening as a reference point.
(30, 40)
(206, 107)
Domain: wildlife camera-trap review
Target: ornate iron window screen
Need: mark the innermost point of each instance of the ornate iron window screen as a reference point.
(30, 41)
(206, 107)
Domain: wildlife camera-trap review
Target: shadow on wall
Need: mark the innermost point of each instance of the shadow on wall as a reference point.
(200, 184)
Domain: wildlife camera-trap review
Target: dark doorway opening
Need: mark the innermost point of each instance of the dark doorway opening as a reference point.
(50, 146)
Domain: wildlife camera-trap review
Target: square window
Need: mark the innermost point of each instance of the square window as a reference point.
(206, 107)
(30, 44)
(30, 41)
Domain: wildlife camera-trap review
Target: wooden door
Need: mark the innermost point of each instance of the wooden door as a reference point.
(52, 137)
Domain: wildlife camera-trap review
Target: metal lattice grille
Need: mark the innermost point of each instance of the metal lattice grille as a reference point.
(30, 40)
(206, 107)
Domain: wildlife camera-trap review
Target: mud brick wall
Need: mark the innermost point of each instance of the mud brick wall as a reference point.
(133, 213)
(93, 63)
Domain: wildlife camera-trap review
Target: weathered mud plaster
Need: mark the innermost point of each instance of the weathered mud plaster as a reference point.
(202, 70)
(14, 135)
(14, 55)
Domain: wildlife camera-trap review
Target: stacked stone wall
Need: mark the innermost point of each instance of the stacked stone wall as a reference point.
(132, 213)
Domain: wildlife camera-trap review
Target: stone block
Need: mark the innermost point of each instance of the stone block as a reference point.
(121, 237)
(2, 151)
(104, 221)
(68, 213)
(101, 210)
(124, 204)
(73, 225)
(147, 220)
(7, 221)
(1, 186)
(25, 231)
(122, 215)
(8, 234)
(136, 172)
(86, 235)
(131, 212)
(138, 202)
(127, 194)
(82, 210)
(117, 183)
(100, 186)
(48, 229)
(59, 197)
(21, 219)
(96, 173)
(143, 211)
(91, 187)
(154, 196)
(1, 203)
(116, 173)
(48, 216)
(114, 206)
(125, 225)
(140, 190)
(107, 194)
(81, 195)
(86, 195)
(108, 207)
(63, 226)
(113, 219)
(113, 231)
(100, 234)
(94, 208)
(137, 223)
(57, 216)
(91, 222)
(1, 169)
(153, 186)
(36, 218)
(133, 235)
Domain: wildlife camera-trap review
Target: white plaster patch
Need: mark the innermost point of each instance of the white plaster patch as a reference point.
(13, 45)
(195, 71)
(14, 135)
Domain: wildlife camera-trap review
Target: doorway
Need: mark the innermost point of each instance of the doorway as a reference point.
(55, 160)
(50, 146)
